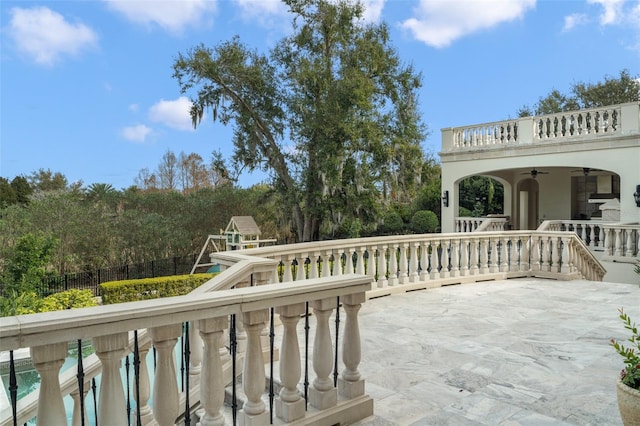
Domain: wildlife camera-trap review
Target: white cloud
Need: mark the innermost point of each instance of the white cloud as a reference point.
(439, 23)
(137, 133)
(271, 14)
(172, 15)
(574, 20)
(373, 10)
(175, 114)
(274, 14)
(46, 36)
(612, 13)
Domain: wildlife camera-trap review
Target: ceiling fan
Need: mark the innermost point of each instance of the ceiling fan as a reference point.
(534, 173)
(586, 170)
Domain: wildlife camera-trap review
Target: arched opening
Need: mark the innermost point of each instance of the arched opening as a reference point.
(480, 196)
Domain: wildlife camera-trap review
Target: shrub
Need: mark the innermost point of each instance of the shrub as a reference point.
(30, 303)
(150, 288)
(393, 223)
(424, 221)
(464, 212)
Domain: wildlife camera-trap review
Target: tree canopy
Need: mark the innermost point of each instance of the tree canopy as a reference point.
(613, 90)
(331, 113)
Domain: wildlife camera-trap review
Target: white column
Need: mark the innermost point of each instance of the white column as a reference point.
(211, 380)
(350, 382)
(47, 360)
(165, 382)
(323, 394)
(112, 409)
(253, 378)
(289, 404)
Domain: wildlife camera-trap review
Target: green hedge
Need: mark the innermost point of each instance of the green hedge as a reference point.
(150, 288)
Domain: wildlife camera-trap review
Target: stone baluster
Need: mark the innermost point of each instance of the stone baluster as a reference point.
(524, 248)
(144, 386)
(195, 356)
(592, 236)
(393, 265)
(413, 262)
(382, 266)
(326, 265)
(360, 269)
(629, 243)
(112, 409)
(555, 255)
(349, 261)
(565, 267)
(535, 253)
(433, 260)
(287, 276)
(618, 243)
(505, 254)
(165, 384)
(76, 419)
(337, 263)
(473, 262)
(212, 379)
(313, 266)
(424, 261)
(289, 404)
(464, 257)
(545, 263)
(455, 258)
(47, 360)
(253, 378)
(493, 263)
(444, 259)
(403, 265)
(484, 256)
(600, 237)
(350, 382)
(301, 273)
(323, 394)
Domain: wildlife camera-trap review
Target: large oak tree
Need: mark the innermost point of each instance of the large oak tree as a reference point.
(330, 113)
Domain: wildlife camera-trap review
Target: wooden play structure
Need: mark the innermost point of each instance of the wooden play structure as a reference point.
(241, 232)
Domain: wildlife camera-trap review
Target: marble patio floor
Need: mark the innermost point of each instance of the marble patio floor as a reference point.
(514, 352)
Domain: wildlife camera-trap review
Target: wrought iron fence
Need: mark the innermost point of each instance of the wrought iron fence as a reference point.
(91, 280)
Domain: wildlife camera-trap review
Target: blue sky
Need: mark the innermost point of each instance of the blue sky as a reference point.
(86, 86)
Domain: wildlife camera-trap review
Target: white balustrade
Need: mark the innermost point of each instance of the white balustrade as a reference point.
(393, 263)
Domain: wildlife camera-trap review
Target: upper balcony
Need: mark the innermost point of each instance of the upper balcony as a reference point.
(586, 125)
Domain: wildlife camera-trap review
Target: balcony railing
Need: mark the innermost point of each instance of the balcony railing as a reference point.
(618, 241)
(310, 275)
(586, 124)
